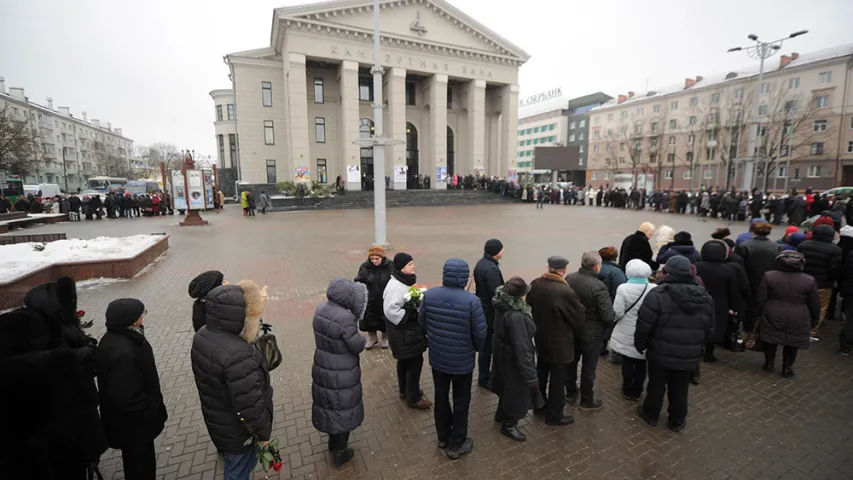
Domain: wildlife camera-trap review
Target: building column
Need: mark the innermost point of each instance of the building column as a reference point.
(476, 105)
(297, 98)
(438, 129)
(508, 151)
(395, 80)
(347, 125)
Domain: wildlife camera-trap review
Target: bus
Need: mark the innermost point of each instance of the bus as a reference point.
(142, 186)
(105, 184)
(13, 188)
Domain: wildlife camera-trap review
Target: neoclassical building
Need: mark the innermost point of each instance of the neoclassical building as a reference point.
(302, 104)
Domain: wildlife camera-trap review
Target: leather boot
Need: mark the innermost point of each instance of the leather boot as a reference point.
(787, 371)
(768, 366)
(512, 432)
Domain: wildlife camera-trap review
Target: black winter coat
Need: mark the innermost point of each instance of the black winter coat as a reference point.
(487, 279)
(375, 277)
(513, 356)
(847, 276)
(823, 259)
(407, 338)
(674, 323)
(759, 256)
(132, 408)
(597, 305)
(789, 305)
(797, 211)
(559, 316)
(722, 284)
(637, 246)
(230, 373)
(336, 373)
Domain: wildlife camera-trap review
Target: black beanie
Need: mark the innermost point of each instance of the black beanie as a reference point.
(683, 237)
(201, 285)
(401, 260)
(493, 247)
(124, 312)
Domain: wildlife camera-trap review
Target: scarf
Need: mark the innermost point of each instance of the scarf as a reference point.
(405, 278)
(641, 281)
(514, 303)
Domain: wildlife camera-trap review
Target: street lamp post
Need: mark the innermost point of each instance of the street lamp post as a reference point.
(762, 51)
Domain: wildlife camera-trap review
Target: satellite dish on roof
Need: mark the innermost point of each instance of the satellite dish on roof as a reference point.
(731, 75)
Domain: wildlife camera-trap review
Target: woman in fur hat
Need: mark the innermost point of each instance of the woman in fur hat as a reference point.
(375, 273)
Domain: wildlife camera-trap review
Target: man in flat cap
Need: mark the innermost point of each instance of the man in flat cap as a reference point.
(558, 314)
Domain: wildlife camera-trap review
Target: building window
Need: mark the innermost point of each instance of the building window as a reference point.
(607, 175)
(715, 97)
(851, 123)
(597, 120)
(688, 174)
(232, 146)
(781, 171)
(694, 101)
(266, 95)
(656, 108)
(621, 160)
(551, 139)
(529, 130)
(822, 101)
(552, 126)
(535, 129)
(814, 171)
(640, 111)
(572, 137)
(790, 106)
(596, 134)
(817, 148)
(765, 87)
(711, 154)
(670, 157)
(691, 120)
(319, 91)
(668, 174)
(320, 129)
(654, 127)
(221, 139)
(672, 140)
(624, 115)
(825, 78)
(269, 135)
(623, 130)
(365, 89)
(849, 147)
(580, 149)
(535, 141)
(673, 105)
(230, 111)
(583, 123)
(820, 125)
(219, 113)
(410, 93)
(449, 98)
(528, 141)
(580, 136)
(762, 130)
(521, 143)
(595, 148)
(793, 83)
(785, 151)
(762, 109)
(571, 125)
(787, 129)
(690, 139)
(673, 124)
(271, 171)
(322, 171)
(622, 146)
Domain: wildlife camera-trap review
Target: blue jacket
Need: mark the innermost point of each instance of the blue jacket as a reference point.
(454, 321)
(612, 276)
(687, 251)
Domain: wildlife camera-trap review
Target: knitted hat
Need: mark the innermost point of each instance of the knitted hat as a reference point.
(678, 266)
(609, 254)
(124, 312)
(683, 237)
(376, 251)
(401, 260)
(493, 247)
(823, 221)
(557, 263)
(205, 282)
(791, 229)
(516, 287)
(796, 239)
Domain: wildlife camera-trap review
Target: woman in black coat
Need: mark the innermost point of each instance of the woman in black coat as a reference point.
(722, 284)
(790, 308)
(759, 256)
(374, 273)
(514, 379)
(336, 373)
(132, 407)
(199, 287)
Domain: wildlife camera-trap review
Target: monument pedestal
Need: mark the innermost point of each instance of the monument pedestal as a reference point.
(193, 219)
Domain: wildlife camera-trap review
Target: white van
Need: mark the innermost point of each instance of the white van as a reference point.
(43, 190)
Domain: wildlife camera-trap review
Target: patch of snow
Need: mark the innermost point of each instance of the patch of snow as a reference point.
(23, 258)
(94, 283)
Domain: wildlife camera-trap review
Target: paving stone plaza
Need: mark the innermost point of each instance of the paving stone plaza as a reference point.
(743, 423)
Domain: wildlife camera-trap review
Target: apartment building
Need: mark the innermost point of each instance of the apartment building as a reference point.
(225, 126)
(72, 149)
(702, 131)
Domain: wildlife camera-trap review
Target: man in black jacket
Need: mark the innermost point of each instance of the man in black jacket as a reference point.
(231, 375)
(488, 277)
(675, 321)
(637, 245)
(823, 263)
(595, 298)
(132, 408)
(558, 315)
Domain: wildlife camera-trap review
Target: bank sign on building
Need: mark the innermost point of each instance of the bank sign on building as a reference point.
(302, 104)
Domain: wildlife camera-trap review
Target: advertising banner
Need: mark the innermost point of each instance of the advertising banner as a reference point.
(512, 175)
(478, 172)
(303, 174)
(209, 197)
(353, 173)
(196, 189)
(440, 174)
(178, 194)
(400, 173)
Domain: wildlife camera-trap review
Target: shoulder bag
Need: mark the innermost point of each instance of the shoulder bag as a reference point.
(633, 304)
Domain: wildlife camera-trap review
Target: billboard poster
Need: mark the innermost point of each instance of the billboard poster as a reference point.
(400, 173)
(195, 183)
(303, 174)
(208, 188)
(353, 173)
(478, 172)
(440, 174)
(178, 194)
(512, 175)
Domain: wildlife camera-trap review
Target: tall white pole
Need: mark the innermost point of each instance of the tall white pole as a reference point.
(379, 226)
(752, 146)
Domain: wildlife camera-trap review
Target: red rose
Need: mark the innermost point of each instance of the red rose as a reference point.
(80, 313)
(277, 466)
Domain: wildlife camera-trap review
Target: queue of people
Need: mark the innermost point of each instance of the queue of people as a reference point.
(114, 204)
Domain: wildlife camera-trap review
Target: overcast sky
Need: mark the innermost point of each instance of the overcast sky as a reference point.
(147, 67)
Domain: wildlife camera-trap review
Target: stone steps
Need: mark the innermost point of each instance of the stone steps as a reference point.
(408, 198)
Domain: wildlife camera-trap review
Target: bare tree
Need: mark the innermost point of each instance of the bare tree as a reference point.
(21, 152)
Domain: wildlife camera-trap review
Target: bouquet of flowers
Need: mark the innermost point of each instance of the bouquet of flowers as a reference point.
(415, 295)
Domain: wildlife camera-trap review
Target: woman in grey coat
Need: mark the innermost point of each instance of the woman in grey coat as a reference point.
(336, 373)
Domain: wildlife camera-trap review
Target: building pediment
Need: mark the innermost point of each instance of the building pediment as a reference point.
(426, 23)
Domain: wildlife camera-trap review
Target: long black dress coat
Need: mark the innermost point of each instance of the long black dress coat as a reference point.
(336, 373)
(559, 316)
(375, 277)
(513, 357)
(789, 304)
(722, 284)
(759, 256)
(637, 246)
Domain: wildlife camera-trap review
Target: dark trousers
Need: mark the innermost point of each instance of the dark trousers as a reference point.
(846, 337)
(139, 462)
(673, 383)
(553, 392)
(409, 377)
(633, 376)
(503, 417)
(833, 305)
(451, 423)
(484, 361)
(588, 353)
(789, 354)
(338, 441)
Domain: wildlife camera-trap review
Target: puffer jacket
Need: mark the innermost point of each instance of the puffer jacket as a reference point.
(596, 301)
(336, 373)
(687, 251)
(612, 276)
(229, 371)
(675, 322)
(454, 321)
(630, 295)
(405, 335)
(823, 259)
(376, 278)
